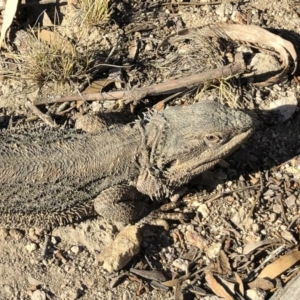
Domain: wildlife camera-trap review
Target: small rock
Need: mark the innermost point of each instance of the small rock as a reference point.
(38, 295)
(256, 294)
(277, 208)
(120, 252)
(190, 227)
(203, 209)
(54, 240)
(75, 249)
(69, 295)
(16, 234)
(181, 264)
(213, 250)
(290, 201)
(31, 247)
(262, 64)
(269, 192)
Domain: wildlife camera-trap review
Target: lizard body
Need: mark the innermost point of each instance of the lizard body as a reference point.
(53, 177)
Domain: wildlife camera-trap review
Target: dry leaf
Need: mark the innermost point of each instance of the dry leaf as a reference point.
(280, 265)
(10, 11)
(261, 283)
(97, 86)
(171, 283)
(223, 263)
(240, 283)
(216, 287)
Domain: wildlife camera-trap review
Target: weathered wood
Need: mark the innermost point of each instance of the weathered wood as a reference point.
(168, 87)
(291, 291)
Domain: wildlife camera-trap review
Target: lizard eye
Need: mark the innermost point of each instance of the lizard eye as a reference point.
(213, 139)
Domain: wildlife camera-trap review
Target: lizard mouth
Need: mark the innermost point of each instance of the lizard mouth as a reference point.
(204, 161)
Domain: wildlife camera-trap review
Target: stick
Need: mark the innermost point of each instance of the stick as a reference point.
(168, 87)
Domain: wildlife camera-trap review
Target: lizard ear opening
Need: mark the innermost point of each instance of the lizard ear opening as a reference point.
(212, 139)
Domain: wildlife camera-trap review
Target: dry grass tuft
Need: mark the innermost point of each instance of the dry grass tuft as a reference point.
(223, 90)
(95, 12)
(194, 52)
(56, 61)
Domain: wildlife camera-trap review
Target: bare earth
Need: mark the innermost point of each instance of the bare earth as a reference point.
(269, 163)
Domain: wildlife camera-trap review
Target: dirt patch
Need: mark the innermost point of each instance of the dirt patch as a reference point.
(249, 202)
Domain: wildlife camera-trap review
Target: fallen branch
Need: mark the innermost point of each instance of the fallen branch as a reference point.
(168, 87)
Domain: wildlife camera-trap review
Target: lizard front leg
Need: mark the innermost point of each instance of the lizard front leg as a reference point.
(122, 203)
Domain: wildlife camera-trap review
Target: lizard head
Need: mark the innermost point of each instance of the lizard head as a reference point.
(198, 136)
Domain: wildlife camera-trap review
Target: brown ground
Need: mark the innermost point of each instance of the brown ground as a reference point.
(267, 165)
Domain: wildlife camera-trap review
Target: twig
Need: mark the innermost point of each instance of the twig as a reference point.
(283, 211)
(216, 197)
(47, 119)
(198, 3)
(168, 87)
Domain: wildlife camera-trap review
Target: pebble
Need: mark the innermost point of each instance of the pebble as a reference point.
(290, 200)
(277, 208)
(181, 264)
(38, 295)
(203, 209)
(31, 247)
(75, 249)
(54, 240)
(256, 294)
(214, 250)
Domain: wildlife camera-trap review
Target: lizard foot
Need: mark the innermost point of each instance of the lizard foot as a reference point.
(122, 203)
